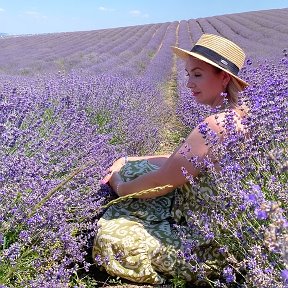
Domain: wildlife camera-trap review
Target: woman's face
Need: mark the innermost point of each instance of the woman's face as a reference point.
(205, 82)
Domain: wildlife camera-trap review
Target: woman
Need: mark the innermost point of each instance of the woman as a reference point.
(139, 239)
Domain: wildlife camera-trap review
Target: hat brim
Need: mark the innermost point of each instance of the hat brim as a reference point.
(185, 53)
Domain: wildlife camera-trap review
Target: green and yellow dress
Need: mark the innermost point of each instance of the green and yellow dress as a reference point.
(139, 239)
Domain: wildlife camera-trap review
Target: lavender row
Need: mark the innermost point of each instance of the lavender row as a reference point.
(138, 64)
(274, 15)
(184, 39)
(58, 46)
(195, 29)
(265, 35)
(159, 69)
(269, 22)
(234, 30)
(126, 52)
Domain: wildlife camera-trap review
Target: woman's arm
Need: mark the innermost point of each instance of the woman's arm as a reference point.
(157, 160)
(170, 173)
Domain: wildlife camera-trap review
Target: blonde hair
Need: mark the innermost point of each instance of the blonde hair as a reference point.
(233, 88)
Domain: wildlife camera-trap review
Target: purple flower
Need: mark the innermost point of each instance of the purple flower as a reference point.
(260, 214)
(223, 249)
(229, 275)
(98, 260)
(284, 275)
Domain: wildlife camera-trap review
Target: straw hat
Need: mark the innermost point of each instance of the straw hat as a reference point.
(219, 52)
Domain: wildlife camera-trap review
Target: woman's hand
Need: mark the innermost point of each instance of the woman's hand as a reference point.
(115, 181)
(117, 165)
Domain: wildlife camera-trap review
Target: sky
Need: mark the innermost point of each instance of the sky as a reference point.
(19, 17)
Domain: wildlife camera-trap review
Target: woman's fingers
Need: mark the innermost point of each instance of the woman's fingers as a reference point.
(114, 168)
(106, 178)
(109, 170)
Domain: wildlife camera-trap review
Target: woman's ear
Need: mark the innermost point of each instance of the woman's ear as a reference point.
(225, 78)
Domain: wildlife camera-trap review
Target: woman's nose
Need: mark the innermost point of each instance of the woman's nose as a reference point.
(190, 83)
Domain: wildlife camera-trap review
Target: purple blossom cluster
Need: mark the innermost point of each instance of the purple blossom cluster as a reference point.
(58, 135)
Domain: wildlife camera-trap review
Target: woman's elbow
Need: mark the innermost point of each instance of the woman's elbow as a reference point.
(173, 180)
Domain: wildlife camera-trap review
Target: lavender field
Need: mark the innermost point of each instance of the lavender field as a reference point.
(71, 103)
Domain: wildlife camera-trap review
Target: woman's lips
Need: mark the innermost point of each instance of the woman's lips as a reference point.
(195, 93)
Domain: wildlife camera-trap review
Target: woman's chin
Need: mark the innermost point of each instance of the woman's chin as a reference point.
(199, 100)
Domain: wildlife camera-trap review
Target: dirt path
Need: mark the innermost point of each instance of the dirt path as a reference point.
(174, 129)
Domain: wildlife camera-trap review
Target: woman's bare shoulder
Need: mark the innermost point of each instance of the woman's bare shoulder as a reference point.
(213, 122)
(220, 120)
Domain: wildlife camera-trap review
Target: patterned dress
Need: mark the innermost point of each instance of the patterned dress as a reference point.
(145, 240)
